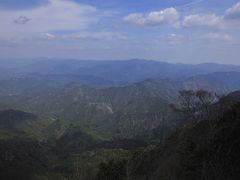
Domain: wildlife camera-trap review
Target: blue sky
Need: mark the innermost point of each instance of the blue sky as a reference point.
(178, 31)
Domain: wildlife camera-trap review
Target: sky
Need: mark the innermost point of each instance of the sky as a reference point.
(175, 31)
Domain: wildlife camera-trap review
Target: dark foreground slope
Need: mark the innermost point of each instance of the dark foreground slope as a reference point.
(73, 155)
(21, 155)
(207, 150)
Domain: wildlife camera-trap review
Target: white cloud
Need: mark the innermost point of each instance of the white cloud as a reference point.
(218, 37)
(233, 12)
(170, 39)
(135, 18)
(154, 18)
(49, 36)
(210, 20)
(87, 36)
(175, 39)
(226, 21)
(98, 36)
(57, 15)
(190, 4)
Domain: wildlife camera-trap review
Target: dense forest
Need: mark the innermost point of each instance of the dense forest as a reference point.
(54, 127)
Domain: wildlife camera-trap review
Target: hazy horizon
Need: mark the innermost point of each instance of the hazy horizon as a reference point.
(39, 59)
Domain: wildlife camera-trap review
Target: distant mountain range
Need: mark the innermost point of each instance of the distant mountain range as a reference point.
(101, 109)
(98, 95)
(114, 73)
(219, 82)
(55, 114)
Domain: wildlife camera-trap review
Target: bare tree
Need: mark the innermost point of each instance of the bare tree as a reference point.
(205, 100)
(186, 103)
(197, 104)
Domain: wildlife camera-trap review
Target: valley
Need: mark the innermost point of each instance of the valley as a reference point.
(63, 124)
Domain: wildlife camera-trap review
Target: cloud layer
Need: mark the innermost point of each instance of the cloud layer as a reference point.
(175, 18)
(154, 18)
(86, 36)
(210, 20)
(233, 12)
(67, 28)
(57, 15)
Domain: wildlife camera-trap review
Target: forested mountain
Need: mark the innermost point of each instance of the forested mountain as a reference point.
(220, 82)
(97, 108)
(184, 155)
(110, 119)
(208, 149)
(131, 107)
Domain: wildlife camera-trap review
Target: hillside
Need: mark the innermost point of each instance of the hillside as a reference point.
(101, 125)
(109, 112)
(14, 123)
(221, 82)
(127, 123)
(99, 109)
(196, 151)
